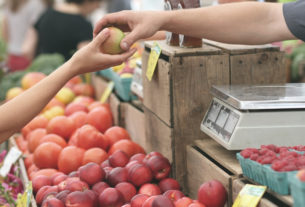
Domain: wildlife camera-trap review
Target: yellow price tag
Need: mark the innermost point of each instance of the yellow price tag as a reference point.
(24, 199)
(152, 61)
(249, 196)
(107, 92)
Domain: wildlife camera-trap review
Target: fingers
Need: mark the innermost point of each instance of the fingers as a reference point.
(118, 19)
(101, 37)
(118, 59)
(131, 38)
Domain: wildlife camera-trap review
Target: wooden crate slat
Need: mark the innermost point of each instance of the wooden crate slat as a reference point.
(192, 81)
(236, 49)
(158, 135)
(178, 51)
(134, 123)
(157, 91)
(220, 154)
(252, 68)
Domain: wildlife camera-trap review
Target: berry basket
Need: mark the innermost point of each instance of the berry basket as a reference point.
(122, 87)
(245, 166)
(297, 191)
(107, 73)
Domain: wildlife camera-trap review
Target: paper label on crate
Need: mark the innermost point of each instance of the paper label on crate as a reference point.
(107, 92)
(249, 196)
(24, 199)
(12, 156)
(153, 60)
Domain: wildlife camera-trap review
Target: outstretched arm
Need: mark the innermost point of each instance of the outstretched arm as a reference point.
(20, 110)
(240, 23)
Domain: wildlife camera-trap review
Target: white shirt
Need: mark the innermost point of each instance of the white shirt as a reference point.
(19, 22)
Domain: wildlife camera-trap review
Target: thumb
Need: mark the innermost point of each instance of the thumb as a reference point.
(101, 37)
(130, 38)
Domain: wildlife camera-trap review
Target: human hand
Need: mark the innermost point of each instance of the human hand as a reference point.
(141, 25)
(90, 58)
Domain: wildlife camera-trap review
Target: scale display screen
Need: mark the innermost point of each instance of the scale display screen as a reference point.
(221, 120)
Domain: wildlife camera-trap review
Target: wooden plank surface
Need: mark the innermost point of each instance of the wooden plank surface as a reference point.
(259, 68)
(192, 79)
(221, 155)
(157, 91)
(178, 51)
(200, 170)
(158, 135)
(235, 49)
(134, 123)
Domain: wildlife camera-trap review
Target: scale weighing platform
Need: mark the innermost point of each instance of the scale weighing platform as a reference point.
(250, 116)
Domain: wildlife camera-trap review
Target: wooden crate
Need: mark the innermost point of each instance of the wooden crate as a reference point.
(207, 160)
(133, 120)
(179, 92)
(268, 200)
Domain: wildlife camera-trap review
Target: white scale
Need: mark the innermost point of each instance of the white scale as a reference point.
(137, 83)
(251, 116)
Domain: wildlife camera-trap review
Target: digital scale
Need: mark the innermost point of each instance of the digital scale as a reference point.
(137, 83)
(250, 116)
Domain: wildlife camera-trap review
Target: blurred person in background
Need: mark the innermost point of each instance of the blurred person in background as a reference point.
(118, 5)
(62, 29)
(18, 17)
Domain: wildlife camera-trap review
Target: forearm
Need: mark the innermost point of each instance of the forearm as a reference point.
(240, 23)
(20, 110)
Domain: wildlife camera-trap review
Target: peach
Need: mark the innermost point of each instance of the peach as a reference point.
(112, 44)
(159, 166)
(149, 155)
(111, 197)
(93, 197)
(40, 181)
(212, 193)
(169, 184)
(196, 205)
(63, 195)
(73, 174)
(138, 157)
(96, 155)
(117, 175)
(150, 189)
(183, 202)
(127, 189)
(173, 195)
(53, 202)
(58, 179)
(138, 200)
(83, 89)
(79, 199)
(105, 164)
(99, 187)
(42, 192)
(91, 173)
(76, 186)
(118, 159)
(13, 92)
(161, 201)
(149, 201)
(139, 174)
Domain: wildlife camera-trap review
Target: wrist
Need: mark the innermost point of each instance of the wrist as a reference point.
(166, 20)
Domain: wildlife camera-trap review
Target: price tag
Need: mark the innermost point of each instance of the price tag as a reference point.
(12, 156)
(107, 92)
(152, 61)
(24, 199)
(249, 196)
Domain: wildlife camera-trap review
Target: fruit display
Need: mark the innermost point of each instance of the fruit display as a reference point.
(272, 165)
(11, 185)
(45, 63)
